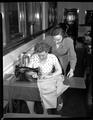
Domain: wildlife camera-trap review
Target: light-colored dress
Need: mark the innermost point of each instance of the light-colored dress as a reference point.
(50, 88)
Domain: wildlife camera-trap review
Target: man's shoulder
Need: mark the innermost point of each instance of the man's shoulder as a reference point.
(68, 41)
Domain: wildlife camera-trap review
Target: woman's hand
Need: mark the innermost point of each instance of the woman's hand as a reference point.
(46, 76)
(33, 74)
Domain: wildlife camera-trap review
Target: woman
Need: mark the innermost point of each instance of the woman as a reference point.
(63, 48)
(50, 78)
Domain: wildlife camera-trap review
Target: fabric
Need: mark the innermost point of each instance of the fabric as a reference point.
(65, 52)
(50, 89)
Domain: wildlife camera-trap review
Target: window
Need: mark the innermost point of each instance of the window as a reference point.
(34, 17)
(13, 24)
(21, 21)
(52, 14)
(14, 13)
(1, 32)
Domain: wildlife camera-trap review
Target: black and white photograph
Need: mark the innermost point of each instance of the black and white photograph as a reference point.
(47, 59)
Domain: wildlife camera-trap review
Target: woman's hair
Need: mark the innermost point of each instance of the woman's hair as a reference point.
(58, 30)
(40, 47)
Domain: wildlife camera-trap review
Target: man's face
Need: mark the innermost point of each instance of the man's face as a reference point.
(42, 55)
(58, 38)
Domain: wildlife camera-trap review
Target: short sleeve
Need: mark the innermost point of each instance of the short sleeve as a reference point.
(34, 61)
(72, 54)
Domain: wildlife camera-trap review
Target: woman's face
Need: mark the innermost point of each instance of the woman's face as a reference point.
(42, 55)
(58, 38)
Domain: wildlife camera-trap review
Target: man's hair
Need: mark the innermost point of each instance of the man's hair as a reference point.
(58, 30)
(40, 47)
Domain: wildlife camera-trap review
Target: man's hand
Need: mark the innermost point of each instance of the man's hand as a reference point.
(70, 73)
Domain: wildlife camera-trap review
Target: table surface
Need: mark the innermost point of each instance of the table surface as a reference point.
(74, 82)
(29, 90)
(23, 115)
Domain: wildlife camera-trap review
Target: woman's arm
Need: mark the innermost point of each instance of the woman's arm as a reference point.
(57, 66)
(58, 69)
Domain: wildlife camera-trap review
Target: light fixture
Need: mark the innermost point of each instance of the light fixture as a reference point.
(37, 16)
(85, 12)
(77, 10)
(70, 17)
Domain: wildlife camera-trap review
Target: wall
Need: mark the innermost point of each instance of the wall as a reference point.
(8, 59)
(81, 5)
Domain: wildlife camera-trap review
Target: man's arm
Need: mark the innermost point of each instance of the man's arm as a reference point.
(72, 54)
